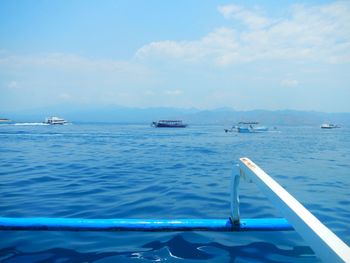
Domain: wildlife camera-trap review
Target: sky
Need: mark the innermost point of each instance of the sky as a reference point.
(246, 55)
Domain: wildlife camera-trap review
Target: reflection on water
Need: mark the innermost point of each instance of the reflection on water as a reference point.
(176, 248)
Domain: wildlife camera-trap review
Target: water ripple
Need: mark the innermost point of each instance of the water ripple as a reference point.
(125, 171)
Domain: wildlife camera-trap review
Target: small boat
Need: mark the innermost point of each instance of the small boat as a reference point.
(169, 124)
(55, 121)
(329, 126)
(5, 121)
(250, 127)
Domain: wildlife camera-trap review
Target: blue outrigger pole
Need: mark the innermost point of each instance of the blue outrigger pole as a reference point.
(323, 241)
(149, 225)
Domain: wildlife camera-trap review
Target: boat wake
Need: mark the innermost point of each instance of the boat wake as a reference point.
(30, 124)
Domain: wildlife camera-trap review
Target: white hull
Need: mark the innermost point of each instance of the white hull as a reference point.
(55, 121)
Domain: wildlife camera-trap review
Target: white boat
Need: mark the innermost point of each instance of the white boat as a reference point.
(55, 121)
(250, 127)
(5, 121)
(329, 126)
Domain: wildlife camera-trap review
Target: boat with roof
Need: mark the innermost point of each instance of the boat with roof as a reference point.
(329, 126)
(247, 127)
(169, 124)
(55, 121)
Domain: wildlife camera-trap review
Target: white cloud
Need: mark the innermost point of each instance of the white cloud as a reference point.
(263, 49)
(65, 96)
(214, 46)
(311, 33)
(74, 68)
(149, 93)
(229, 10)
(173, 92)
(12, 85)
(65, 62)
(48, 78)
(250, 18)
(289, 82)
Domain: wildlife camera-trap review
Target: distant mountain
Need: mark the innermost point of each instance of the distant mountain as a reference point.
(281, 117)
(221, 116)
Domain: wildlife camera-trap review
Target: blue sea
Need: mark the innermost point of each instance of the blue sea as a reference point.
(136, 171)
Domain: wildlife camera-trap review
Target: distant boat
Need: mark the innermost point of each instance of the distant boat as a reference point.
(55, 121)
(169, 124)
(5, 121)
(329, 126)
(250, 127)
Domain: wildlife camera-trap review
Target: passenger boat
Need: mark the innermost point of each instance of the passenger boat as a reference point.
(169, 124)
(55, 121)
(329, 126)
(250, 127)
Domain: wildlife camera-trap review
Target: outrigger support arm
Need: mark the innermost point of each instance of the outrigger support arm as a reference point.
(234, 195)
(328, 246)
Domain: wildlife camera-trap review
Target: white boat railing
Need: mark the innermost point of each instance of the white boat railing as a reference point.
(326, 245)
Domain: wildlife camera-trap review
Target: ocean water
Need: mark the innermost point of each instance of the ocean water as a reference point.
(136, 171)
